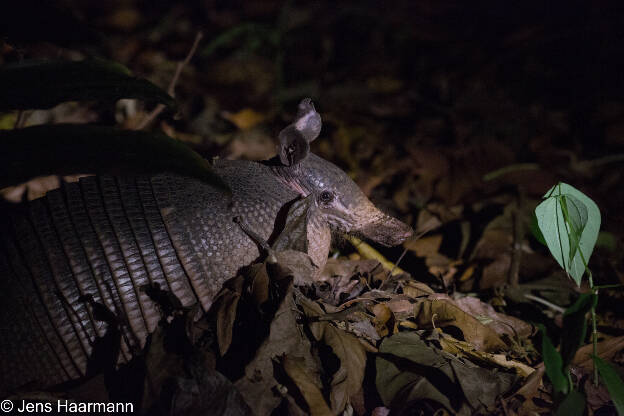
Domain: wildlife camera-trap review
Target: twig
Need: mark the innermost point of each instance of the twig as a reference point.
(544, 302)
(20, 120)
(341, 315)
(171, 88)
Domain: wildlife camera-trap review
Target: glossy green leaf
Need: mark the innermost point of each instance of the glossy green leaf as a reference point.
(554, 364)
(69, 148)
(43, 84)
(614, 383)
(569, 222)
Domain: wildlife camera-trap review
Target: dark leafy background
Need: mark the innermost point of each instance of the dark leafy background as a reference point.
(420, 102)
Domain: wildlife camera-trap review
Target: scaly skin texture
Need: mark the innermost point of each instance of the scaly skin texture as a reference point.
(108, 237)
(75, 265)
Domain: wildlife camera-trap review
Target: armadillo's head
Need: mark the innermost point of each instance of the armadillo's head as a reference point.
(339, 200)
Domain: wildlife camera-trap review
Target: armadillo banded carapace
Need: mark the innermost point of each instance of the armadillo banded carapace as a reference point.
(103, 240)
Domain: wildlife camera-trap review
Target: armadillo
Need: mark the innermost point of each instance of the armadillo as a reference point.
(105, 238)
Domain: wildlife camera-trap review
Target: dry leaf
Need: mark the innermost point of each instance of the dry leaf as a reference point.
(347, 380)
(425, 246)
(381, 321)
(442, 312)
(606, 350)
(245, 118)
(226, 304)
(295, 368)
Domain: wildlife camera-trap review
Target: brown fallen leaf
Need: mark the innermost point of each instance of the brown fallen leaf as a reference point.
(245, 118)
(296, 370)
(425, 246)
(442, 312)
(384, 321)
(501, 323)
(226, 304)
(416, 289)
(259, 386)
(456, 347)
(459, 385)
(523, 400)
(347, 380)
(606, 350)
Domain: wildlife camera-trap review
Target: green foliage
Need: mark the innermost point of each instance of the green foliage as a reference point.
(569, 222)
(614, 383)
(571, 402)
(554, 364)
(30, 85)
(574, 327)
(68, 148)
(65, 149)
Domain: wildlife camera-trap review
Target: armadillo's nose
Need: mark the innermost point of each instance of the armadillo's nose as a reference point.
(387, 231)
(407, 233)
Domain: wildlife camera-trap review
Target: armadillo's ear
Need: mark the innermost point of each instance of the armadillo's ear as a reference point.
(295, 139)
(293, 146)
(308, 120)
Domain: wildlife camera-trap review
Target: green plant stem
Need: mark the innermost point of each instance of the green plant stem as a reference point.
(590, 279)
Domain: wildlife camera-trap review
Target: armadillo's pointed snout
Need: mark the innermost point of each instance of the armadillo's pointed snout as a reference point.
(387, 231)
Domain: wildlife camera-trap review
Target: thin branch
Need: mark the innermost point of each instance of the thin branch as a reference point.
(546, 303)
(21, 118)
(171, 88)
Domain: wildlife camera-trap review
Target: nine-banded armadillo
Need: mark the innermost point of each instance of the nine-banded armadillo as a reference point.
(105, 238)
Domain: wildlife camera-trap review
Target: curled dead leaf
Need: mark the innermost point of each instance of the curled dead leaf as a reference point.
(383, 321)
(443, 313)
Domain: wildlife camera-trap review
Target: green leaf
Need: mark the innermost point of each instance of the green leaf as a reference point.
(535, 230)
(37, 84)
(553, 363)
(574, 326)
(572, 405)
(614, 383)
(69, 148)
(569, 222)
(575, 216)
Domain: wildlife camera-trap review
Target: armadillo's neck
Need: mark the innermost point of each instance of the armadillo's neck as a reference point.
(296, 178)
(289, 176)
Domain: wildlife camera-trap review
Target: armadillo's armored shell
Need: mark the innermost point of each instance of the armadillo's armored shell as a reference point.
(108, 238)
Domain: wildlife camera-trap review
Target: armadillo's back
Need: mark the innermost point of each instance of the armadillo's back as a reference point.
(92, 247)
(104, 237)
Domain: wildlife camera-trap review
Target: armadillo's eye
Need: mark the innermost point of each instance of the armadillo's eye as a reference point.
(326, 197)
